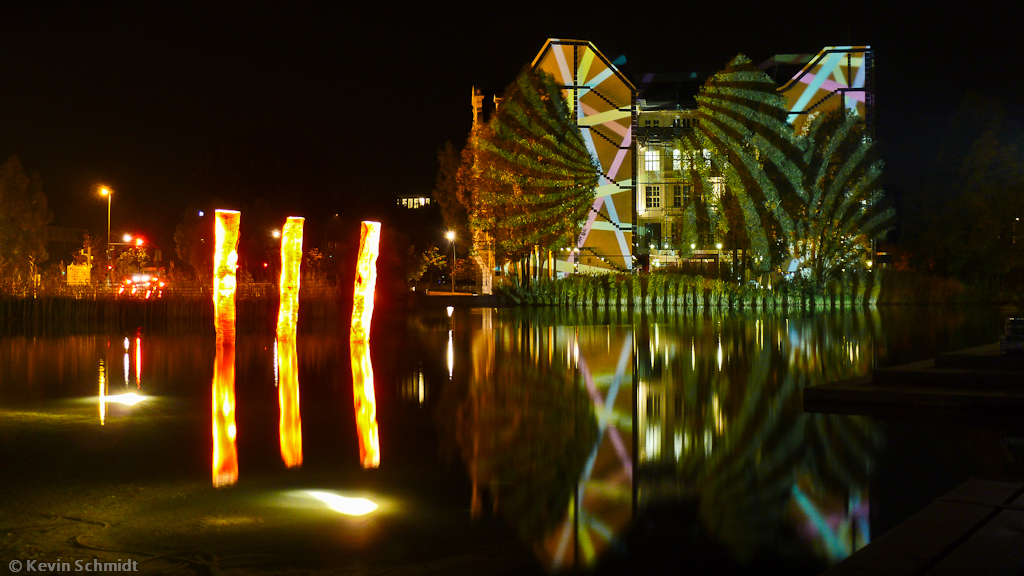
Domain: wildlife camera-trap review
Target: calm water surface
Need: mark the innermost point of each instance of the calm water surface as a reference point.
(601, 438)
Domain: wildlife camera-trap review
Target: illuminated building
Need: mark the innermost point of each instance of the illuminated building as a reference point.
(414, 201)
(837, 76)
(643, 189)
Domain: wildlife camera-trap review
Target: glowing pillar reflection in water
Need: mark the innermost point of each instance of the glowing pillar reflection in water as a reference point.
(103, 393)
(359, 341)
(225, 257)
(287, 319)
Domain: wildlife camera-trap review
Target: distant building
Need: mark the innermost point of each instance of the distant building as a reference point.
(414, 201)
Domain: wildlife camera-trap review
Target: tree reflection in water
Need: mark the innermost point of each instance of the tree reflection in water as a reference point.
(545, 421)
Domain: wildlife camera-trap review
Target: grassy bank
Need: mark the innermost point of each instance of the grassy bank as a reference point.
(92, 308)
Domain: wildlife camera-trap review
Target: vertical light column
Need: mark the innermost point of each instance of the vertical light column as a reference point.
(287, 320)
(359, 343)
(225, 258)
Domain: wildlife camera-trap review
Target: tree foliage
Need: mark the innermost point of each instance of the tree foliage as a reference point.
(814, 197)
(193, 238)
(842, 208)
(132, 261)
(23, 214)
(966, 221)
(533, 176)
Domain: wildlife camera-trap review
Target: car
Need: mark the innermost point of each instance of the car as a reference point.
(143, 285)
(1012, 342)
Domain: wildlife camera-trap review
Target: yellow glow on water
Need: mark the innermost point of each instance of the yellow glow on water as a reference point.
(344, 504)
(126, 343)
(128, 399)
(366, 281)
(127, 364)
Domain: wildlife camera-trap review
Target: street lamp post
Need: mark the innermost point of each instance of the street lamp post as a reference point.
(450, 235)
(104, 191)
(719, 246)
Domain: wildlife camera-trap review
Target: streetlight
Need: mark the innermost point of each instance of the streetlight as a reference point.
(104, 191)
(719, 246)
(450, 235)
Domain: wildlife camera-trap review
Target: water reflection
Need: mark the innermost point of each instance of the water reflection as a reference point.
(365, 404)
(290, 427)
(540, 431)
(103, 393)
(569, 424)
(724, 413)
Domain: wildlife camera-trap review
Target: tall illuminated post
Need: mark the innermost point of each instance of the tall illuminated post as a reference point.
(364, 399)
(290, 427)
(450, 235)
(225, 259)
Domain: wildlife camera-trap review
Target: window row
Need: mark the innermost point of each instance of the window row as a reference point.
(681, 193)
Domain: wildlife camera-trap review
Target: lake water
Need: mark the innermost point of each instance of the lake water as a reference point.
(512, 439)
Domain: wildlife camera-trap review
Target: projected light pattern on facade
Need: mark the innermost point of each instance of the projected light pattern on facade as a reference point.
(225, 257)
(836, 77)
(602, 100)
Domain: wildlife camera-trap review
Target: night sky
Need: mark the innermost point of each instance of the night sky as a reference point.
(324, 109)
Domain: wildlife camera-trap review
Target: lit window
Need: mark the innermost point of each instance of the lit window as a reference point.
(652, 160)
(653, 196)
(677, 196)
(677, 160)
(687, 193)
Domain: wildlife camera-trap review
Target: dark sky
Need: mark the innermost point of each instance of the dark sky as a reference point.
(321, 109)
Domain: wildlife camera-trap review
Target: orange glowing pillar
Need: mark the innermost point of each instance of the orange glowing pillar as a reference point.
(287, 319)
(225, 257)
(291, 258)
(362, 367)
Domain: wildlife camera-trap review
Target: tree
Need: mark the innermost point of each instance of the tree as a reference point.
(451, 190)
(23, 214)
(533, 175)
(193, 238)
(842, 209)
(743, 140)
(814, 197)
(132, 261)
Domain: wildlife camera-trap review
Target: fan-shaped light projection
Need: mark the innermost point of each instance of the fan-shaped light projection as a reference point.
(362, 368)
(225, 257)
(290, 427)
(537, 175)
